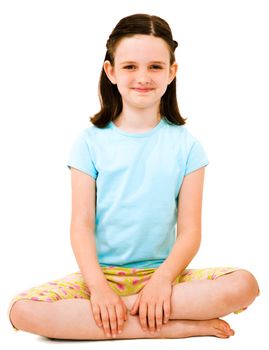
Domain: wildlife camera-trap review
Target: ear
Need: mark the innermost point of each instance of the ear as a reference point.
(172, 72)
(109, 70)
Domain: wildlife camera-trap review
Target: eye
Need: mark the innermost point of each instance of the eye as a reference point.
(129, 67)
(155, 66)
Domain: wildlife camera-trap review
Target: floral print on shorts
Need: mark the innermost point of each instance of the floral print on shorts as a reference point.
(124, 281)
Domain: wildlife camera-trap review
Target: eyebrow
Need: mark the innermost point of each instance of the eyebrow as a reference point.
(152, 62)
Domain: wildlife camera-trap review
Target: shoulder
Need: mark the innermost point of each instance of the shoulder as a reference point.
(181, 134)
(89, 133)
(93, 131)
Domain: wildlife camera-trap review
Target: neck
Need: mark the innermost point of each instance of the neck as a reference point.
(137, 120)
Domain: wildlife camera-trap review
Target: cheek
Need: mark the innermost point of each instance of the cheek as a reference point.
(163, 82)
(123, 85)
(161, 78)
(124, 81)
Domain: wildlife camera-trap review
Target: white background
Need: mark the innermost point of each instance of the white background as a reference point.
(51, 57)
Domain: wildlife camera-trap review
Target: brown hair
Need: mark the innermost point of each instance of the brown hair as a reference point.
(109, 96)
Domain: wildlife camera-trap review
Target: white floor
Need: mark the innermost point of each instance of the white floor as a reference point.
(251, 328)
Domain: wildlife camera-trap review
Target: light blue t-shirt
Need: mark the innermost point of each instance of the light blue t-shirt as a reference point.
(138, 178)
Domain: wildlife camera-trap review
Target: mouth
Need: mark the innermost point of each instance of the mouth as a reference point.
(142, 90)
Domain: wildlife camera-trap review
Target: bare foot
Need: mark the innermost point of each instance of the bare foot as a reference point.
(192, 328)
(215, 327)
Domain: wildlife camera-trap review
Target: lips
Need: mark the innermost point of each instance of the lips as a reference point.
(142, 89)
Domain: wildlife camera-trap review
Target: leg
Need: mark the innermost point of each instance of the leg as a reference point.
(208, 299)
(73, 319)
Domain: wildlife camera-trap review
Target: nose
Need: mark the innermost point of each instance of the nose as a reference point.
(143, 77)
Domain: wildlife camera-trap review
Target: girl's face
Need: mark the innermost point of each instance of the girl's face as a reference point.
(141, 70)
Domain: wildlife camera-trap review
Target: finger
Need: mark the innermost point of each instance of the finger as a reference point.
(96, 315)
(159, 316)
(143, 316)
(105, 321)
(167, 310)
(112, 319)
(151, 317)
(120, 312)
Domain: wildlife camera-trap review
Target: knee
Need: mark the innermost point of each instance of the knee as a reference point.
(245, 286)
(20, 314)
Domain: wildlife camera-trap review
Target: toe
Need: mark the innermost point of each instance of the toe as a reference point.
(226, 329)
(226, 323)
(222, 335)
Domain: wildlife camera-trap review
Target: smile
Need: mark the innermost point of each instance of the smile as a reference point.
(142, 90)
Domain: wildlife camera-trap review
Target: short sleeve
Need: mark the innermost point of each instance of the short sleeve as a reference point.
(197, 158)
(80, 156)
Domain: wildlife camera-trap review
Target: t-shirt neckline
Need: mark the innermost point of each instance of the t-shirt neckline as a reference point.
(140, 134)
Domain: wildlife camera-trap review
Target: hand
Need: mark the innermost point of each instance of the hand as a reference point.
(109, 310)
(152, 301)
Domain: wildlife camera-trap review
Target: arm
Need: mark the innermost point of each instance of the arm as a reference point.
(108, 309)
(82, 228)
(188, 227)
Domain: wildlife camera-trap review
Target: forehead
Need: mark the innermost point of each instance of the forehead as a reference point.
(142, 48)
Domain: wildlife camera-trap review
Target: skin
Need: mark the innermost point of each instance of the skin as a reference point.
(182, 310)
(196, 307)
(136, 65)
(142, 72)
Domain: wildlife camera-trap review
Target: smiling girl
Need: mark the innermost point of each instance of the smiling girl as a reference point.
(137, 173)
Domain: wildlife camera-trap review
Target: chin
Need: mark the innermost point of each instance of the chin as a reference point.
(142, 105)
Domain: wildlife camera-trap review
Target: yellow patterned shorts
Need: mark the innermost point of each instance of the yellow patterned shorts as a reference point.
(124, 281)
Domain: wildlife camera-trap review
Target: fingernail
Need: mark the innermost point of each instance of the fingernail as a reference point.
(114, 335)
(108, 334)
(120, 331)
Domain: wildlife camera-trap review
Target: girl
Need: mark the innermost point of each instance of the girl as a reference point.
(135, 174)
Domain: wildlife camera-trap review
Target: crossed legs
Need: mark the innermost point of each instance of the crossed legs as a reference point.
(195, 310)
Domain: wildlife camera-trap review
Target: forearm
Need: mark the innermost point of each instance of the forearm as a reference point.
(184, 250)
(84, 248)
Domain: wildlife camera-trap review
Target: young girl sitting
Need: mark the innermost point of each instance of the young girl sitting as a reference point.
(137, 178)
